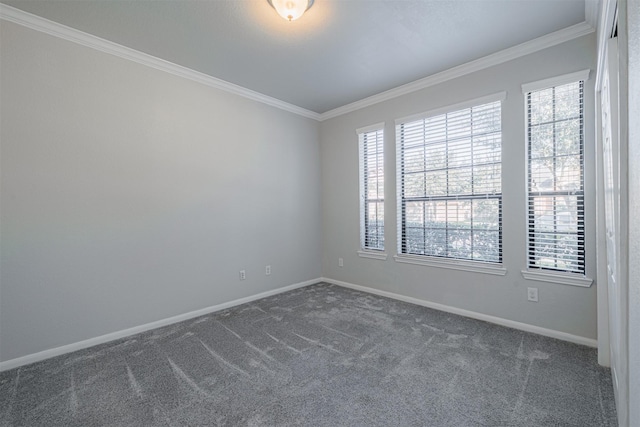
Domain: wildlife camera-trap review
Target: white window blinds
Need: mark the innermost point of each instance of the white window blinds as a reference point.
(450, 186)
(372, 189)
(555, 134)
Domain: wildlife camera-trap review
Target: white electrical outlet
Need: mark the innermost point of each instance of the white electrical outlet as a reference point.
(243, 275)
(532, 294)
(267, 270)
(340, 262)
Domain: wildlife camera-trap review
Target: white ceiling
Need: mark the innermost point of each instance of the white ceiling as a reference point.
(339, 52)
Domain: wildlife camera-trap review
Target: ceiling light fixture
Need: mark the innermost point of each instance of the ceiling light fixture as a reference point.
(291, 9)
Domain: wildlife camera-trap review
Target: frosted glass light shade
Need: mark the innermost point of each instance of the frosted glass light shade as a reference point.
(291, 9)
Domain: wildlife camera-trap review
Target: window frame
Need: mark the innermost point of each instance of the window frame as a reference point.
(547, 274)
(480, 266)
(367, 251)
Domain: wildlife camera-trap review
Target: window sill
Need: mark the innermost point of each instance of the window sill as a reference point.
(372, 255)
(559, 277)
(472, 266)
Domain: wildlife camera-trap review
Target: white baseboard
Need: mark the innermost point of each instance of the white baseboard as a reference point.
(472, 314)
(46, 354)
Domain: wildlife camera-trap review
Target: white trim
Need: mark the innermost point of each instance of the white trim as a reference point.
(556, 81)
(558, 277)
(453, 264)
(378, 150)
(591, 12)
(46, 354)
(605, 27)
(564, 336)
(372, 254)
(526, 48)
(602, 298)
(500, 96)
(371, 128)
(55, 29)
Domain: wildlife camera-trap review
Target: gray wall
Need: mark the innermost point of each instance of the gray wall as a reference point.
(130, 195)
(564, 308)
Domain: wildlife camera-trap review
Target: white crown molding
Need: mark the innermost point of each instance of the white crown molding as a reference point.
(80, 345)
(497, 58)
(55, 29)
(564, 336)
(20, 17)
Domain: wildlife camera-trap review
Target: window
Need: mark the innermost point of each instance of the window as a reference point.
(372, 188)
(449, 183)
(555, 152)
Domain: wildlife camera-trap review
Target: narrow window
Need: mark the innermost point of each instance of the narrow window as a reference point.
(372, 189)
(450, 185)
(555, 179)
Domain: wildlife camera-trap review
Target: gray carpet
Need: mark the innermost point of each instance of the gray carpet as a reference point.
(318, 356)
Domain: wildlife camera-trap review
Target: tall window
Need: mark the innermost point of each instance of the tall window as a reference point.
(555, 134)
(449, 184)
(372, 188)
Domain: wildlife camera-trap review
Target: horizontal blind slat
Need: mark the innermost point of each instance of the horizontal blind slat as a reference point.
(555, 178)
(449, 184)
(372, 189)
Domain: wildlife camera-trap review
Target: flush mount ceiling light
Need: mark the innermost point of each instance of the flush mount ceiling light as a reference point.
(291, 9)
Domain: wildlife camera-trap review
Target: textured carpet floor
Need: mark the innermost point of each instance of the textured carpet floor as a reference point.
(318, 356)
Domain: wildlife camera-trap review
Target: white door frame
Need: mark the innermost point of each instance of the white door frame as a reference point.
(605, 25)
(616, 319)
